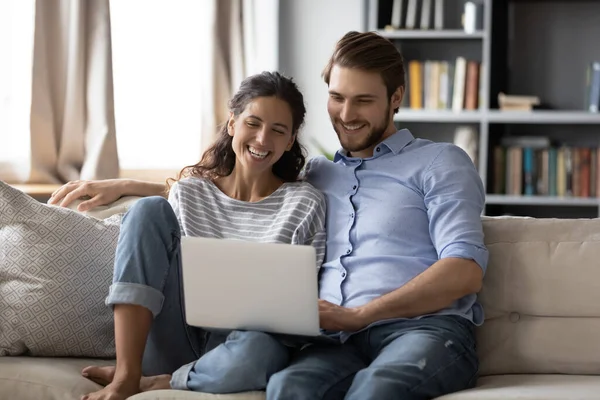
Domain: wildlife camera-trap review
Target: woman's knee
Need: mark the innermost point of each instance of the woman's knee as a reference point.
(150, 211)
(268, 353)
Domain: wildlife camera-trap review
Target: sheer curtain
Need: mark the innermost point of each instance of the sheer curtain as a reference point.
(72, 121)
(245, 42)
(56, 116)
(176, 63)
(171, 93)
(16, 50)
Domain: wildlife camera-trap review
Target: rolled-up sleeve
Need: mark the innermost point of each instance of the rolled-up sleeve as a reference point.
(455, 199)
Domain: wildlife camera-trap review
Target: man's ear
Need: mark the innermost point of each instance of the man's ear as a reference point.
(397, 98)
(230, 124)
(291, 143)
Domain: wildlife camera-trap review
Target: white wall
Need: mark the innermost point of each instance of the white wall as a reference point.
(309, 30)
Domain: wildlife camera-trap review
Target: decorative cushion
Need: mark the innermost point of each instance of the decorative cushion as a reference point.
(541, 296)
(55, 270)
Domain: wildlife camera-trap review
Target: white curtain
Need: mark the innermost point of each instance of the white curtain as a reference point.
(72, 118)
(66, 129)
(245, 43)
(63, 126)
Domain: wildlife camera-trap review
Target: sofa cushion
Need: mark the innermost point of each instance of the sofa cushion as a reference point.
(541, 297)
(532, 387)
(36, 378)
(184, 395)
(55, 270)
(39, 378)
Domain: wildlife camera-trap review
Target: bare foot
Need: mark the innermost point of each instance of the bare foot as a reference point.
(101, 375)
(158, 382)
(115, 391)
(105, 375)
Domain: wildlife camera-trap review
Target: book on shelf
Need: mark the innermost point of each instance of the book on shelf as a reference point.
(592, 98)
(517, 102)
(472, 18)
(534, 166)
(416, 14)
(444, 85)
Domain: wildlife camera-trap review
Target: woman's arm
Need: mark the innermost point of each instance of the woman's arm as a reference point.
(103, 192)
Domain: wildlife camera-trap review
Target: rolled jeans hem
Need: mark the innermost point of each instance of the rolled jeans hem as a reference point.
(180, 377)
(135, 294)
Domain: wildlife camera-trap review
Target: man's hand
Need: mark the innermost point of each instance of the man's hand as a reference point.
(337, 318)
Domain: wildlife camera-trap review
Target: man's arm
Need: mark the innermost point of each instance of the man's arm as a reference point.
(438, 287)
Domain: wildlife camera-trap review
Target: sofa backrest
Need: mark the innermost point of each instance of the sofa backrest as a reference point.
(541, 297)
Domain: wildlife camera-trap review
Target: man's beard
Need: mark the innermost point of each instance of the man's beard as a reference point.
(371, 139)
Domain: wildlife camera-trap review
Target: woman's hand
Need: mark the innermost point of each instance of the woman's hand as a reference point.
(98, 193)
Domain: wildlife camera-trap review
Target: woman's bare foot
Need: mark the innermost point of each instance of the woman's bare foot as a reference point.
(157, 382)
(101, 375)
(117, 390)
(105, 375)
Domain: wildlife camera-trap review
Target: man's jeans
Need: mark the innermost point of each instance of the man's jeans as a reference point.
(148, 273)
(406, 360)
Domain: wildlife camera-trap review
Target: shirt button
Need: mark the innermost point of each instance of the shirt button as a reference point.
(348, 251)
(377, 149)
(352, 215)
(343, 274)
(354, 187)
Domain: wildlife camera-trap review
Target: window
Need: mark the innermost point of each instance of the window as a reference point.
(16, 51)
(159, 51)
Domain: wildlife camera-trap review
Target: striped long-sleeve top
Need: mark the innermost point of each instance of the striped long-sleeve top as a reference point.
(294, 213)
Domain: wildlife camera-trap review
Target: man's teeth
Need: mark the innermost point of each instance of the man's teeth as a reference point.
(257, 153)
(353, 127)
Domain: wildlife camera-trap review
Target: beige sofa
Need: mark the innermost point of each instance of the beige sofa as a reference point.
(541, 338)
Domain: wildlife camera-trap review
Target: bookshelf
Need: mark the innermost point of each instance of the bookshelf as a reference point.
(523, 47)
(432, 34)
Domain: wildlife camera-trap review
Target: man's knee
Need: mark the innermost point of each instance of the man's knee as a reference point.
(382, 383)
(287, 384)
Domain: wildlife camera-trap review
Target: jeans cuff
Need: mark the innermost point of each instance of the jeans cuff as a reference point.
(180, 377)
(136, 294)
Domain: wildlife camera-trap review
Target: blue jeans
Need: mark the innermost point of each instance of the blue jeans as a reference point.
(406, 360)
(148, 274)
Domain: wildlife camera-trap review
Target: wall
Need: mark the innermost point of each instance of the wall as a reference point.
(309, 30)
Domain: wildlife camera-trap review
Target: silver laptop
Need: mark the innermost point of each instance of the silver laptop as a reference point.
(233, 284)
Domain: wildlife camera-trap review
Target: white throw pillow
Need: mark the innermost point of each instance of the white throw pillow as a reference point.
(56, 266)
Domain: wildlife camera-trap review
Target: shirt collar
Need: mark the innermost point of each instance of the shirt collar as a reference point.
(394, 143)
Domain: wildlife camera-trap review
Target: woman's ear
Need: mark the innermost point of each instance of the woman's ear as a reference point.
(291, 143)
(230, 124)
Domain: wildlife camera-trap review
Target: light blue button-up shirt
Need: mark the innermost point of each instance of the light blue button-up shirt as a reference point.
(393, 215)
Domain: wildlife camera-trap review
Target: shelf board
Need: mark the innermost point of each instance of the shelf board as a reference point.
(543, 117)
(431, 34)
(433, 116)
(542, 200)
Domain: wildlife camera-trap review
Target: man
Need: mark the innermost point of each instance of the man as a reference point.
(405, 253)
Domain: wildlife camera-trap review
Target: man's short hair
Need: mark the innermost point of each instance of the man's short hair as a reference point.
(371, 52)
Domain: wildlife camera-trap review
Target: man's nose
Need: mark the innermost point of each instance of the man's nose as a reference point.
(347, 113)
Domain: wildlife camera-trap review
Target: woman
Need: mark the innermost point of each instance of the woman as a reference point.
(245, 187)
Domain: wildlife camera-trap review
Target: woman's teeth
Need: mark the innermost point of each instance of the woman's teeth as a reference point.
(257, 153)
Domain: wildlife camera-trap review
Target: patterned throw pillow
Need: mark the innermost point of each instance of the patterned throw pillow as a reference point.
(55, 270)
